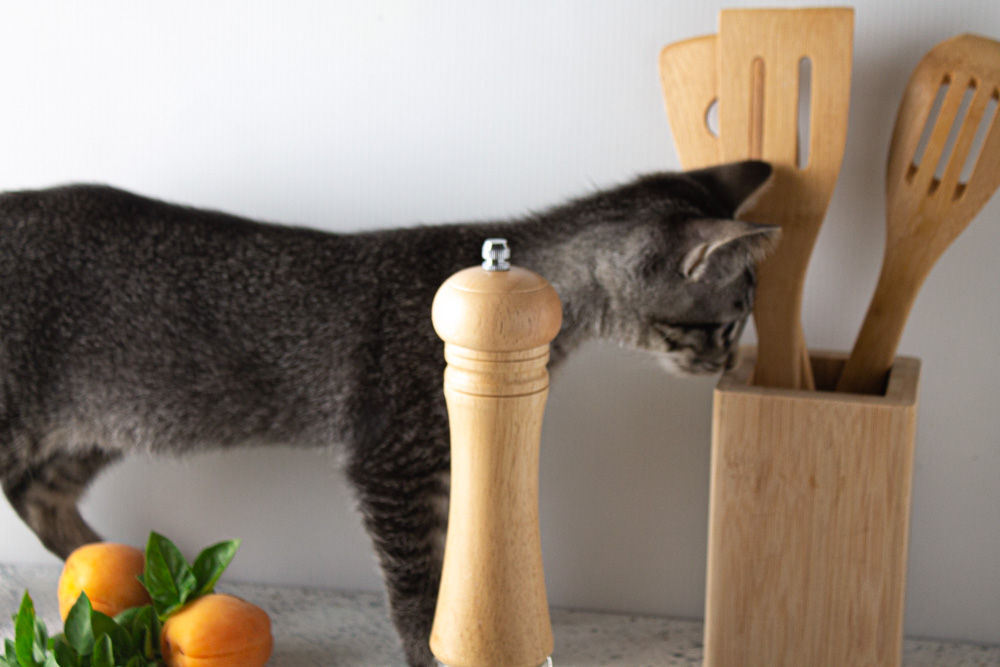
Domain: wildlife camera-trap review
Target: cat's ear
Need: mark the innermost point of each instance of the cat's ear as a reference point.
(734, 184)
(737, 243)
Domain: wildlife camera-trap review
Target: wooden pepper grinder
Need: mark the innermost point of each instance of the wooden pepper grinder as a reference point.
(497, 322)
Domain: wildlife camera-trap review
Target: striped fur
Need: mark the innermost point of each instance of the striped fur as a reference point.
(130, 325)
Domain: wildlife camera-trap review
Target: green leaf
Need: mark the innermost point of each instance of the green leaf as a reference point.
(78, 629)
(210, 564)
(10, 649)
(26, 646)
(102, 625)
(128, 618)
(168, 577)
(41, 638)
(105, 626)
(65, 654)
(144, 628)
(104, 654)
(24, 630)
(141, 625)
(151, 645)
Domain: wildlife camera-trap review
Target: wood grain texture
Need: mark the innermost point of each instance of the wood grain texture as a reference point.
(689, 80)
(926, 213)
(809, 518)
(492, 607)
(759, 57)
(690, 86)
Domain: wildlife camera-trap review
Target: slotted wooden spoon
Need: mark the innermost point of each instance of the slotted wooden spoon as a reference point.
(927, 203)
(688, 77)
(689, 82)
(760, 53)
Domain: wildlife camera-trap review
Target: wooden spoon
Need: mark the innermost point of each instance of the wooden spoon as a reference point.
(929, 200)
(689, 81)
(761, 52)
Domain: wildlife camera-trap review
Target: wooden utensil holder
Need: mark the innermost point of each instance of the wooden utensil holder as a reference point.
(809, 519)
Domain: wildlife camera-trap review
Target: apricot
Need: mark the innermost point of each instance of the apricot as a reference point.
(217, 630)
(107, 573)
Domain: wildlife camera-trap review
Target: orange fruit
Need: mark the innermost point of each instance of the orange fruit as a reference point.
(217, 630)
(107, 573)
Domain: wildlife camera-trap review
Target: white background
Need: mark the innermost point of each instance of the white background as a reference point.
(353, 115)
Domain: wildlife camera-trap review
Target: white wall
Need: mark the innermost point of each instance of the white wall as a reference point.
(352, 115)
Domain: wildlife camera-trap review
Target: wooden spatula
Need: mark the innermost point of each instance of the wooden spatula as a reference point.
(931, 196)
(689, 81)
(761, 53)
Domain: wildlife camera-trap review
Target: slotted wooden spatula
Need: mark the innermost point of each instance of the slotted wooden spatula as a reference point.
(761, 54)
(689, 82)
(688, 77)
(932, 196)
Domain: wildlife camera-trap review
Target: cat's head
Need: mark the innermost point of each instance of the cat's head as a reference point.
(680, 279)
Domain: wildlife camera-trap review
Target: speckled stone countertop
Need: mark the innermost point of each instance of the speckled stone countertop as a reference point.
(330, 628)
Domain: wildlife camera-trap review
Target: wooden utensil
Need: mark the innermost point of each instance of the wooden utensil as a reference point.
(761, 56)
(688, 77)
(690, 87)
(929, 198)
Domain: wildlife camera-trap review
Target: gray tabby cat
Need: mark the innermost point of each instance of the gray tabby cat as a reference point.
(130, 325)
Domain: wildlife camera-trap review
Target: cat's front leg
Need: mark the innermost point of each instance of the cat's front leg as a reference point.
(45, 492)
(405, 514)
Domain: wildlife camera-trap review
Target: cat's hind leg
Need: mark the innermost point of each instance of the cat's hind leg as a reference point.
(45, 496)
(406, 516)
